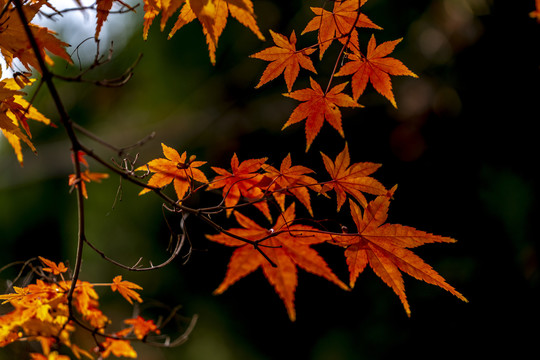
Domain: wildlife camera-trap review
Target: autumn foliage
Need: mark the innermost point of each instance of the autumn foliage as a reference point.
(273, 238)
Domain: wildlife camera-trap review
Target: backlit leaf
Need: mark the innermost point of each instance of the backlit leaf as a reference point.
(287, 247)
(376, 68)
(385, 247)
(284, 58)
(318, 106)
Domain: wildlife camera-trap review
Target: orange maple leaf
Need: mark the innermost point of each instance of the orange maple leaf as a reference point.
(53, 355)
(102, 13)
(174, 168)
(290, 179)
(119, 348)
(142, 327)
(14, 42)
(152, 8)
(284, 59)
(338, 23)
(53, 267)
(15, 111)
(286, 244)
(103, 7)
(535, 14)
(243, 181)
(318, 106)
(125, 288)
(385, 248)
(212, 14)
(86, 176)
(375, 68)
(352, 179)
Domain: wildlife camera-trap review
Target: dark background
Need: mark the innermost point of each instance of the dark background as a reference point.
(461, 146)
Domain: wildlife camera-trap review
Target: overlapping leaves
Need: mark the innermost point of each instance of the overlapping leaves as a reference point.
(279, 249)
(341, 23)
(41, 312)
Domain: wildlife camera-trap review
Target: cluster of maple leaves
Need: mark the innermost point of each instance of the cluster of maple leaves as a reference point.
(41, 313)
(286, 245)
(44, 311)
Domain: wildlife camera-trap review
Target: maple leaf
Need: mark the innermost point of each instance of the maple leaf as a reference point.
(86, 176)
(125, 288)
(174, 168)
(119, 348)
(212, 14)
(15, 111)
(318, 106)
(291, 179)
(152, 8)
(286, 244)
(385, 248)
(56, 269)
(284, 58)
(375, 68)
(243, 181)
(51, 356)
(535, 14)
(142, 327)
(102, 13)
(19, 294)
(15, 44)
(338, 23)
(103, 7)
(352, 179)
(77, 351)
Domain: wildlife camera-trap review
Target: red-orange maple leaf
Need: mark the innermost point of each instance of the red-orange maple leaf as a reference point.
(385, 248)
(339, 23)
(102, 13)
(291, 179)
(375, 68)
(213, 14)
(174, 168)
(142, 327)
(286, 244)
(241, 181)
(103, 7)
(126, 289)
(318, 106)
(352, 179)
(284, 59)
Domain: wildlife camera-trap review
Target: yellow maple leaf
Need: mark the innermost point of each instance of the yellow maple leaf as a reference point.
(15, 111)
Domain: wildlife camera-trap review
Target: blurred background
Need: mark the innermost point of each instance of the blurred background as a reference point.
(461, 147)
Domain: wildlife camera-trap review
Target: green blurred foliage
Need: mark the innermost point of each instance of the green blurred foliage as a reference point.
(461, 147)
